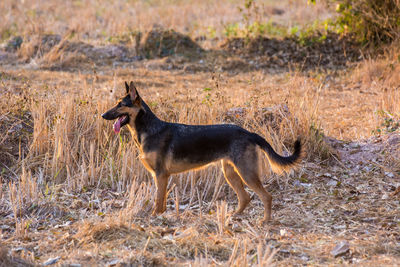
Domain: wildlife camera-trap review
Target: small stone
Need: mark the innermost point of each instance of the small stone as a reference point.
(306, 185)
(51, 261)
(389, 174)
(283, 232)
(332, 183)
(113, 262)
(354, 145)
(340, 249)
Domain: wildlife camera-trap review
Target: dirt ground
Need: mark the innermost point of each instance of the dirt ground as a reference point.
(75, 194)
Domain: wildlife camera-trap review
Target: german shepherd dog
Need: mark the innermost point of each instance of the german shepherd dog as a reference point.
(168, 148)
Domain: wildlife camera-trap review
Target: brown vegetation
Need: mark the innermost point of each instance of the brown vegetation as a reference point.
(73, 192)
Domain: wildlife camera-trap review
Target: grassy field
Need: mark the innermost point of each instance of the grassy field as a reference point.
(75, 194)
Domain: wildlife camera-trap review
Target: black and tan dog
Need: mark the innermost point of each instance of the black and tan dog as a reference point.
(168, 148)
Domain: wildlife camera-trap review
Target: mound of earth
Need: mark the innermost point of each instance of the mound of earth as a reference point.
(76, 54)
(98, 53)
(237, 54)
(160, 42)
(262, 52)
(51, 51)
(37, 45)
(270, 116)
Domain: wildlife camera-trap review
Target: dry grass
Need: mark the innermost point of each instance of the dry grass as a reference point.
(71, 188)
(77, 169)
(102, 21)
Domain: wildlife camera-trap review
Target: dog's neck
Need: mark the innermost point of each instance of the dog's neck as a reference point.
(145, 123)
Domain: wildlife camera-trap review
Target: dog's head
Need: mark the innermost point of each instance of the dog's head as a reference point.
(126, 109)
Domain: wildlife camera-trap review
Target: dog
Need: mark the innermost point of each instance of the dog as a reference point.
(169, 148)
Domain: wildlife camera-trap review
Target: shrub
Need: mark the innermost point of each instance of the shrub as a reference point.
(372, 22)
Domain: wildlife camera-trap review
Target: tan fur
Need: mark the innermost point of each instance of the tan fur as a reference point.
(247, 168)
(132, 112)
(276, 168)
(133, 133)
(234, 180)
(173, 166)
(149, 161)
(279, 169)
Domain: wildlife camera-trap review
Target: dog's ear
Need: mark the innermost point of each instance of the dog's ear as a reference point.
(127, 88)
(134, 93)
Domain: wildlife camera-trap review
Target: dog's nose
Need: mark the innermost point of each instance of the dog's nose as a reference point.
(103, 115)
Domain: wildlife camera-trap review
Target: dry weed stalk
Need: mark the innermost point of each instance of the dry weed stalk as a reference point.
(139, 200)
(223, 217)
(16, 205)
(22, 195)
(75, 146)
(265, 255)
(262, 257)
(41, 139)
(200, 261)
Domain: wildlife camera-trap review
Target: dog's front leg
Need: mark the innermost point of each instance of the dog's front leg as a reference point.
(161, 181)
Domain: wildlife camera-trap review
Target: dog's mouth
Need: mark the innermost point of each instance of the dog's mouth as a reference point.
(121, 121)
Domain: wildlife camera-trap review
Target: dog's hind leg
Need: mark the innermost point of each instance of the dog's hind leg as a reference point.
(236, 183)
(246, 165)
(161, 181)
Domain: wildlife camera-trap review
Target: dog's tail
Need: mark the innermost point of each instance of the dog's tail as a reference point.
(278, 163)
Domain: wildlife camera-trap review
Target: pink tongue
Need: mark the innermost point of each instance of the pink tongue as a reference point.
(117, 125)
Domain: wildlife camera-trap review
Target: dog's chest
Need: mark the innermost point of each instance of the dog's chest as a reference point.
(151, 153)
(149, 160)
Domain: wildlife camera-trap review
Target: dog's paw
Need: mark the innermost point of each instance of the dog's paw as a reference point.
(238, 216)
(264, 221)
(157, 212)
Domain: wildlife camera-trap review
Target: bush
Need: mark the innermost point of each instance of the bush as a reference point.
(372, 22)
